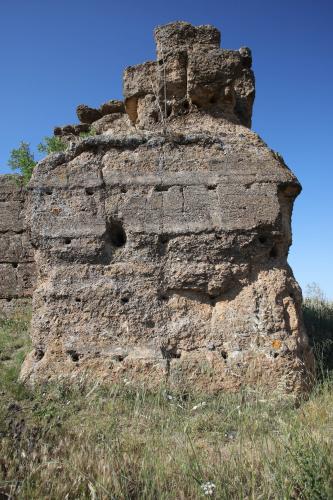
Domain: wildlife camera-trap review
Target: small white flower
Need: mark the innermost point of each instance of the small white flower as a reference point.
(231, 435)
(169, 396)
(208, 488)
(200, 405)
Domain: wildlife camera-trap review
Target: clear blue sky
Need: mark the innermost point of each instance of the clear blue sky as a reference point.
(56, 54)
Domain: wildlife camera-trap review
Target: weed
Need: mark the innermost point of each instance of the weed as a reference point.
(51, 145)
(89, 133)
(69, 440)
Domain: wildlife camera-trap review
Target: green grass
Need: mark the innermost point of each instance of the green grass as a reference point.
(78, 441)
(318, 318)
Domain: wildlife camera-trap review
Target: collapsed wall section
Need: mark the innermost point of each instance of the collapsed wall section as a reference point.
(17, 267)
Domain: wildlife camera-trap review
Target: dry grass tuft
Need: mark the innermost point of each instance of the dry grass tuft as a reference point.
(72, 442)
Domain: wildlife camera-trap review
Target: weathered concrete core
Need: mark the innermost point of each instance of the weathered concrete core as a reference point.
(161, 242)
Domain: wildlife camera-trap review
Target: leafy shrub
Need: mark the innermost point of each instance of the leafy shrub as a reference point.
(23, 160)
(52, 144)
(89, 133)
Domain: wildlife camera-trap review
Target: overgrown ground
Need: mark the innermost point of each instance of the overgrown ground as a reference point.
(70, 442)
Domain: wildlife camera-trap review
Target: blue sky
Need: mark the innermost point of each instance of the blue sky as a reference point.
(56, 54)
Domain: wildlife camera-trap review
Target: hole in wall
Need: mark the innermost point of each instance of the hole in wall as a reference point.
(68, 241)
(48, 191)
(150, 323)
(123, 190)
(39, 353)
(124, 300)
(159, 188)
(224, 354)
(14, 264)
(77, 299)
(273, 253)
(170, 352)
(154, 116)
(119, 357)
(163, 238)
(163, 297)
(162, 244)
(211, 187)
(116, 233)
(9, 299)
(89, 191)
(74, 355)
(114, 237)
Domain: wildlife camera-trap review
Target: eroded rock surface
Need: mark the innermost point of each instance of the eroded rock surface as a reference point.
(162, 241)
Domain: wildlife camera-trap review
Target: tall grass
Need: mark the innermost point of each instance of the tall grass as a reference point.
(82, 441)
(318, 318)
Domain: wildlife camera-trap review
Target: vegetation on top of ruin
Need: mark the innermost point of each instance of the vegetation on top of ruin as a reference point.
(23, 160)
(79, 440)
(52, 144)
(89, 133)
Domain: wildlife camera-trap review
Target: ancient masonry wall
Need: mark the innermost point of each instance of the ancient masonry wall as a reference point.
(17, 267)
(161, 240)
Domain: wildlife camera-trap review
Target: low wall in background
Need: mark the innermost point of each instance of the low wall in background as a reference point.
(17, 267)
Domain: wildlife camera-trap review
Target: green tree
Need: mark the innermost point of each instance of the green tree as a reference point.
(23, 160)
(52, 144)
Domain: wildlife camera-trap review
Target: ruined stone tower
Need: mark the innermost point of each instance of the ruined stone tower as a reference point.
(161, 241)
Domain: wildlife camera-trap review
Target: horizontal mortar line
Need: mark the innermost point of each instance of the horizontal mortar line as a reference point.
(128, 142)
(16, 296)
(12, 232)
(17, 262)
(117, 183)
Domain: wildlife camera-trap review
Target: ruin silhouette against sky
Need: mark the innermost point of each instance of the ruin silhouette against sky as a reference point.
(53, 58)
